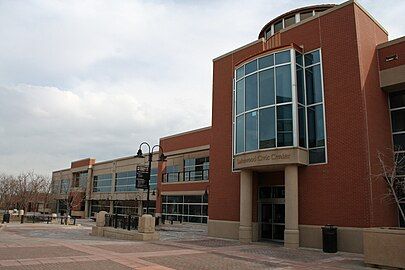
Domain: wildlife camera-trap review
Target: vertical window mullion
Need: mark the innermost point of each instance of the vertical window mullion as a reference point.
(258, 103)
(275, 103)
(294, 98)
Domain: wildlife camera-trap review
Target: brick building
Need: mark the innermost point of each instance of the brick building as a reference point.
(298, 118)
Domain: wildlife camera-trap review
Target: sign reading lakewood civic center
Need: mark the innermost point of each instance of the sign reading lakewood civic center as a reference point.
(271, 158)
(142, 177)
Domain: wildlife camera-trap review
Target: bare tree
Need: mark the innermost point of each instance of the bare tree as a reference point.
(393, 174)
(22, 190)
(73, 198)
(7, 191)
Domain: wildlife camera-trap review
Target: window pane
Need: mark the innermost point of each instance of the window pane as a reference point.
(251, 92)
(240, 134)
(305, 15)
(267, 128)
(282, 57)
(265, 192)
(302, 127)
(278, 26)
(240, 99)
(240, 72)
(250, 67)
(317, 155)
(193, 199)
(266, 87)
(398, 120)
(268, 33)
(400, 163)
(300, 85)
(397, 99)
(266, 61)
(251, 131)
(298, 58)
(194, 210)
(289, 21)
(399, 142)
(283, 84)
(312, 58)
(316, 136)
(284, 126)
(314, 84)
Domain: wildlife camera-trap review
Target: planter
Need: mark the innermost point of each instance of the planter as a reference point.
(384, 247)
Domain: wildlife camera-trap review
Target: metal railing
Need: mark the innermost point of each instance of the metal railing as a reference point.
(42, 218)
(196, 175)
(126, 222)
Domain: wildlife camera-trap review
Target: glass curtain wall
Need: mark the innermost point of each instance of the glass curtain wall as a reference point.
(267, 103)
(188, 208)
(102, 183)
(125, 181)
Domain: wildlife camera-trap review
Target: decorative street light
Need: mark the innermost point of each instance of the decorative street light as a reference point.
(162, 158)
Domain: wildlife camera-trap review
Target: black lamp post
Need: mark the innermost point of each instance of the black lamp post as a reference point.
(162, 157)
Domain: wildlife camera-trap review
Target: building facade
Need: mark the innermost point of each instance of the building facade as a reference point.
(299, 118)
(88, 187)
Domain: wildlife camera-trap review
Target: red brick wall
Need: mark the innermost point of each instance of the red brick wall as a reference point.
(187, 140)
(338, 192)
(369, 35)
(82, 163)
(224, 185)
(398, 49)
(196, 138)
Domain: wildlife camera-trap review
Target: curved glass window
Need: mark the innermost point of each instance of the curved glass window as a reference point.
(251, 92)
(279, 103)
(266, 87)
(265, 119)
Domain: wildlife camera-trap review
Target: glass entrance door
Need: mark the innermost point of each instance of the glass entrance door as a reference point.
(272, 213)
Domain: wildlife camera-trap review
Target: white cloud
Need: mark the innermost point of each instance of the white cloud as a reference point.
(95, 78)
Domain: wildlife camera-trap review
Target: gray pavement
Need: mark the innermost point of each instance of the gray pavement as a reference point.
(182, 246)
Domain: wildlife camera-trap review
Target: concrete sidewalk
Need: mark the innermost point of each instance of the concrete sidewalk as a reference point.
(42, 246)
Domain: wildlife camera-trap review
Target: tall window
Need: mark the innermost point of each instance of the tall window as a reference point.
(315, 107)
(397, 110)
(80, 179)
(125, 181)
(64, 186)
(268, 111)
(263, 97)
(102, 183)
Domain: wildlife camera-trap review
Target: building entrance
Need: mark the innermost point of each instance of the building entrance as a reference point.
(272, 213)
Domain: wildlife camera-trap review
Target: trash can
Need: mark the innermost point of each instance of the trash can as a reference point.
(6, 218)
(329, 238)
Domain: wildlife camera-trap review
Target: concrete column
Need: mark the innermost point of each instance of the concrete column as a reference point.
(291, 232)
(89, 191)
(86, 208)
(245, 225)
(140, 208)
(111, 207)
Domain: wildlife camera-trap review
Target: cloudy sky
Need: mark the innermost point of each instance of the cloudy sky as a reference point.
(95, 78)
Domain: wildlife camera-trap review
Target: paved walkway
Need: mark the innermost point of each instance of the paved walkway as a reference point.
(184, 247)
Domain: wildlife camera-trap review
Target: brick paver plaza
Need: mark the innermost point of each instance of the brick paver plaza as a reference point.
(48, 246)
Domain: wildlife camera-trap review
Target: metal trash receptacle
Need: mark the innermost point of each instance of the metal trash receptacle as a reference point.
(329, 238)
(6, 217)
